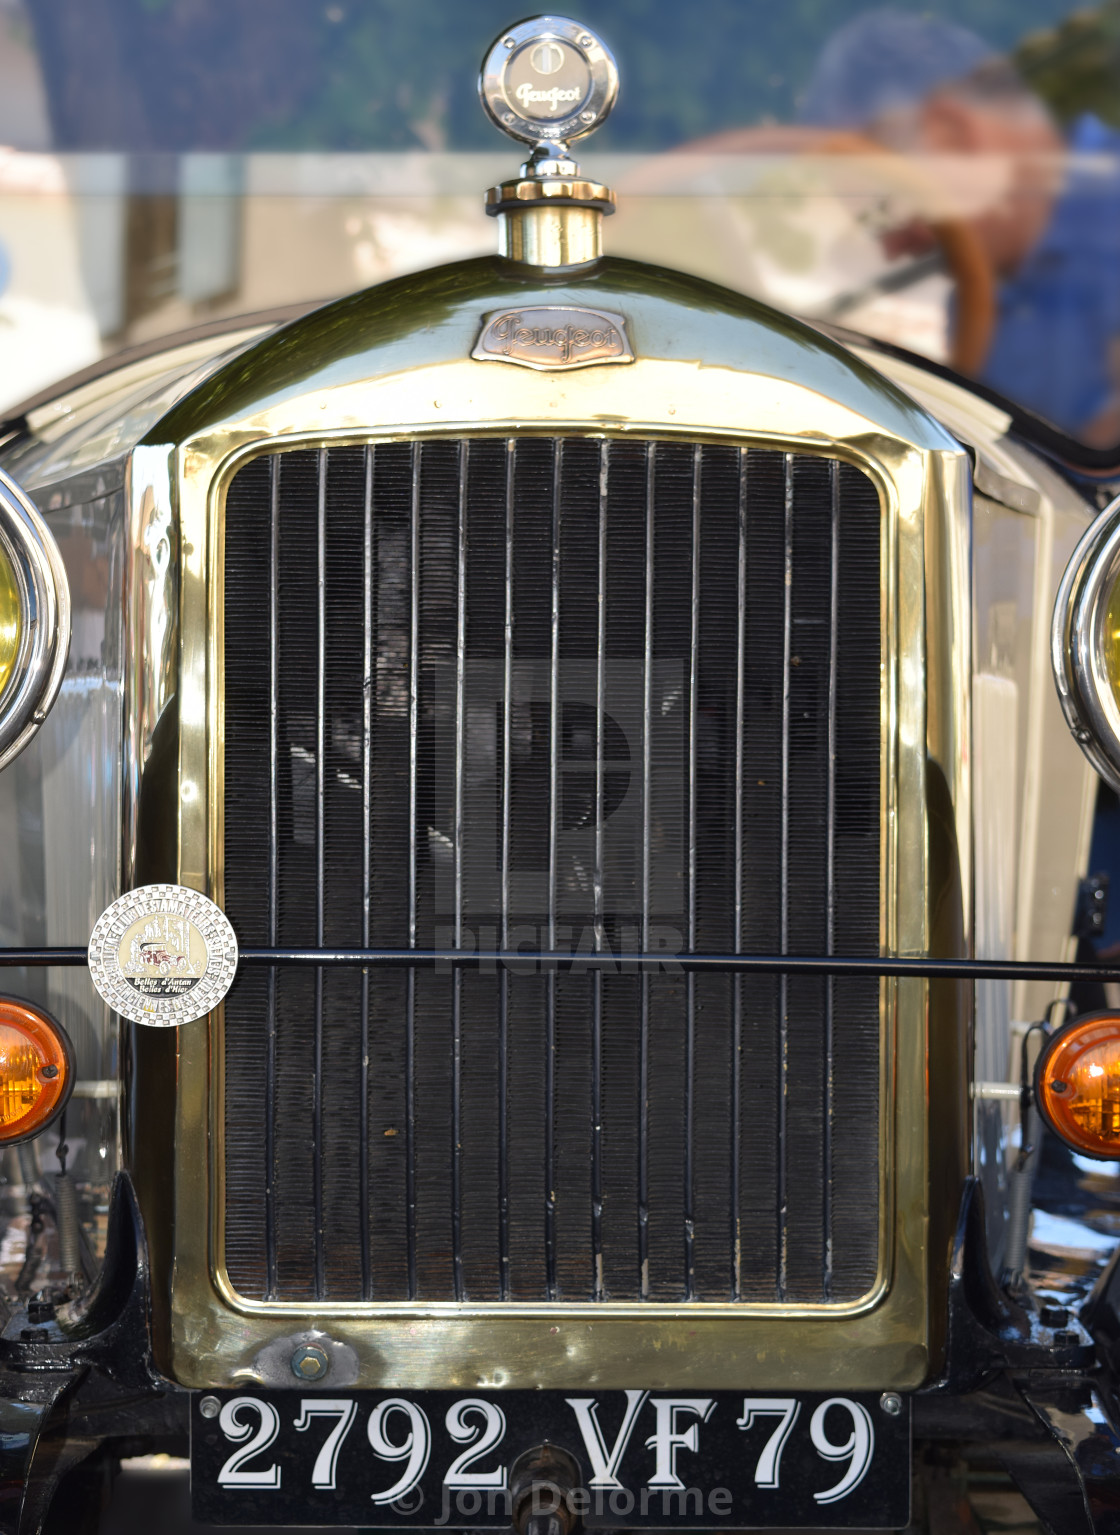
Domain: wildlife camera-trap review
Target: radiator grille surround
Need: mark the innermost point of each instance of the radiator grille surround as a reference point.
(620, 695)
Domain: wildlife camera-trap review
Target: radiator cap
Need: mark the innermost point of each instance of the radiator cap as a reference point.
(163, 955)
(548, 80)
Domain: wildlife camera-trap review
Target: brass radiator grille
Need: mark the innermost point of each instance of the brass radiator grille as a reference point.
(552, 693)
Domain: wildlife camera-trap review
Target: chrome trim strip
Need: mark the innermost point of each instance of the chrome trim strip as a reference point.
(1077, 644)
(44, 597)
(151, 660)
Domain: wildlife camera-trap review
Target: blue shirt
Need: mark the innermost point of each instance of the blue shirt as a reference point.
(1059, 315)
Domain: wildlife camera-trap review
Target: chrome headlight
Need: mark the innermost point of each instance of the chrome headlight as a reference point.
(34, 620)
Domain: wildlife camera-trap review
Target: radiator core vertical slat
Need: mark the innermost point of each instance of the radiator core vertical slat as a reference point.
(320, 871)
(717, 621)
(670, 803)
(273, 870)
(485, 999)
(810, 675)
(522, 1139)
(506, 795)
(643, 1047)
(457, 855)
(367, 790)
(856, 1167)
(575, 1032)
(410, 1016)
(391, 1201)
(597, 891)
(553, 823)
(690, 980)
(297, 1255)
(622, 641)
(783, 981)
(737, 981)
(830, 912)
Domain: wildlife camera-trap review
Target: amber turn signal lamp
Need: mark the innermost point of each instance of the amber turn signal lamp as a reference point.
(36, 1071)
(1077, 1085)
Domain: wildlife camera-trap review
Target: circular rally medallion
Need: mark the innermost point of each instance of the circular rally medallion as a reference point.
(163, 955)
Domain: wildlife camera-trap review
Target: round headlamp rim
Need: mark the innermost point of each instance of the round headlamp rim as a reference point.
(50, 1022)
(1076, 652)
(1055, 1042)
(45, 619)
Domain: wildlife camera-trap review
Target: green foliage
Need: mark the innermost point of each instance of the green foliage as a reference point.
(1075, 66)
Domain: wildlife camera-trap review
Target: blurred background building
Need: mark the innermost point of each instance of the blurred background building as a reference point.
(168, 162)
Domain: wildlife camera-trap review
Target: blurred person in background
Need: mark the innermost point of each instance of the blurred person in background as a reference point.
(1046, 224)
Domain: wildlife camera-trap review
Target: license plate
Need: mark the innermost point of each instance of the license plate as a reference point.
(647, 1459)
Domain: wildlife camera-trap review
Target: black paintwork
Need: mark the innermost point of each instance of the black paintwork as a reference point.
(64, 1394)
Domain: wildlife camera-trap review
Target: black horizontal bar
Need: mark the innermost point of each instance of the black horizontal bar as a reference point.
(44, 956)
(766, 964)
(564, 960)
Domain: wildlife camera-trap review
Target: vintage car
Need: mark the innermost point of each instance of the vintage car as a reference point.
(597, 737)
